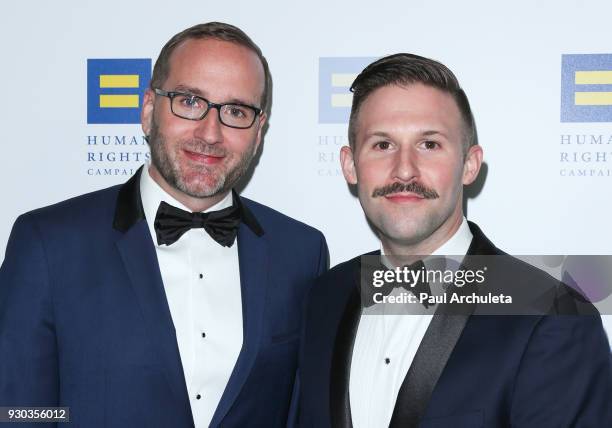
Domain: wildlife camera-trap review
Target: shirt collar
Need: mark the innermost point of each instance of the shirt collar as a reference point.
(458, 244)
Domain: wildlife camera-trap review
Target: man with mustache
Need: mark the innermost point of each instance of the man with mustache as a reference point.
(412, 149)
(169, 301)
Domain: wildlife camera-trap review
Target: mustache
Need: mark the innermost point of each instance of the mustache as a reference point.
(201, 147)
(412, 187)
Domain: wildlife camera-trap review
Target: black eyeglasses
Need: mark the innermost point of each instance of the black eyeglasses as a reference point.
(192, 107)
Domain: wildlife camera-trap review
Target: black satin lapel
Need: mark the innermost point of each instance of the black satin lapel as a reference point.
(481, 245)
(431, 358)
(340, 406)
(129, 208)
(247, 215)
(435, 349)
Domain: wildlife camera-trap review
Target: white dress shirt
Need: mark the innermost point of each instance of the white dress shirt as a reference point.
(385, 346)
(202, 284)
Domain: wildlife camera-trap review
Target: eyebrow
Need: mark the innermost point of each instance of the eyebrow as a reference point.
(432, 132)
(198, 92)
(190, 89)
(424, 134)
(379, 134)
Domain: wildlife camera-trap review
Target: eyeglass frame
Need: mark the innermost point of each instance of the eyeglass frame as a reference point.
(171, 94)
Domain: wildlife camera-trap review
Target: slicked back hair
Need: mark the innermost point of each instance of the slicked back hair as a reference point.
(405, 69)
(210, 30)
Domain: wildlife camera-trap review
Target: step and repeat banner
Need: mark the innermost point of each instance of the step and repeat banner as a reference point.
(538, 75)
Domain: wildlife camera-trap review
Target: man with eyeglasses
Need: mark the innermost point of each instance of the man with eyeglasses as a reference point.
(168, 301)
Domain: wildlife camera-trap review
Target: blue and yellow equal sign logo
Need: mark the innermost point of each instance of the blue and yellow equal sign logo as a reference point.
(336, 75)
(115, 89)
(586, 88)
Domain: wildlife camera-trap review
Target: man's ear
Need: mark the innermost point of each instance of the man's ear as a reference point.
(263, 117)
(472, 163)
(347, 161)
(146, 113)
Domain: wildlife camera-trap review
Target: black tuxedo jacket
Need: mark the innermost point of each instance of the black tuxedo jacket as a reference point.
(470, 370)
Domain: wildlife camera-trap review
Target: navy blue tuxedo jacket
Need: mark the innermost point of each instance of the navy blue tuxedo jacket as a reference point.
(85, 323)
(470, 370)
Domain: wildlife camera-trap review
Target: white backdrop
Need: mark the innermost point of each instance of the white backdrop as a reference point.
(507, 55)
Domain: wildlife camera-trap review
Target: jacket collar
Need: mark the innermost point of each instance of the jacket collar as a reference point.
(481, 245)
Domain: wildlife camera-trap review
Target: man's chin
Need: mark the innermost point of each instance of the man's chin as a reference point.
(199, 192)
(405, 234)
(200, 188)
(405, 239)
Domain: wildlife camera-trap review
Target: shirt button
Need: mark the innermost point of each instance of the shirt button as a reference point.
(198, 397)
(201, 276)
(203, 334)
(387, 360)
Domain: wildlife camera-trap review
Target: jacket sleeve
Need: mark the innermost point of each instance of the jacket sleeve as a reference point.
(28, 348)
(321, 268)
(565, 376)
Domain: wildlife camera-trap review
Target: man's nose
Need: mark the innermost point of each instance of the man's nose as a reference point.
(405, 165)
(210, 129)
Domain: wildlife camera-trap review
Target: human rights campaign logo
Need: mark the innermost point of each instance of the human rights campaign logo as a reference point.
(336, 75)
(586, 88)
(115, 89)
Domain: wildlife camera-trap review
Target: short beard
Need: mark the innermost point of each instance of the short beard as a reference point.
(172, 174)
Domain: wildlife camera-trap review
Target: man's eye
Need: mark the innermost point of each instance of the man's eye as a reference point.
(236, 111)
(189, 101)
(383, 145)
(430, 145)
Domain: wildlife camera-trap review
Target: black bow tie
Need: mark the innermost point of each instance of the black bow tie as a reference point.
(171, 223)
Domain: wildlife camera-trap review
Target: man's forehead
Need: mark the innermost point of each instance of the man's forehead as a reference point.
(415, 97)
(208, 44)
(212, 52)
(432, 109)
(226, 71)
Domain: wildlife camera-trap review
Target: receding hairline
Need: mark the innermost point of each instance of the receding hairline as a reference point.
(209, 38)
(217, 31)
